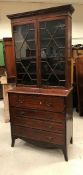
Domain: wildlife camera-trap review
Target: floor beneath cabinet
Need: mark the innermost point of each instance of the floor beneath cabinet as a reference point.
(26, 159)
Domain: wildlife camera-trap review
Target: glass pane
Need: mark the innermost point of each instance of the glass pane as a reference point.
(25, 52)
(52, 41)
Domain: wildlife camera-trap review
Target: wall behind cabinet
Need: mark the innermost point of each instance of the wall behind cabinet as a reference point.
(11, 7)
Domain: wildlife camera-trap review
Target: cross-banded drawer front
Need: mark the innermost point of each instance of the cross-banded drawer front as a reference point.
(41, 102)
(38, 135)
(36, 114)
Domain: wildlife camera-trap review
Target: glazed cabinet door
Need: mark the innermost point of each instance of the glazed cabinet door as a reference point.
(42, 51)
(52, 52)
(25, 53)
(55, 51)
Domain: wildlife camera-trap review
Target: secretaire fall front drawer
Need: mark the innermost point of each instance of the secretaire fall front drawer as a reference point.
(41, 102)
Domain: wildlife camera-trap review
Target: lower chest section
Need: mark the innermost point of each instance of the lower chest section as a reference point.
(38, 117)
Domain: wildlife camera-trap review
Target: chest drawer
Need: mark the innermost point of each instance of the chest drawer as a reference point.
(36, 114)
(37, 135)
(39, 124)
(41, 102)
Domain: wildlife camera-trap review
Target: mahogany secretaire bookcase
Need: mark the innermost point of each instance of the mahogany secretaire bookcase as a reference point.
(41, 104)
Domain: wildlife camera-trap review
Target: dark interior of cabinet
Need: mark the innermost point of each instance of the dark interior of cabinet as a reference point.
(52, 49)
(25, 54)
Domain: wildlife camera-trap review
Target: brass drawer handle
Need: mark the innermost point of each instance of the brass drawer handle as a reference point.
(50, 138)
(50, 126)
(21, 102)
(49, 104)
(22, 112)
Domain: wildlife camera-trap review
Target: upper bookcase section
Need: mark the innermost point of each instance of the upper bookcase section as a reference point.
(60, 9)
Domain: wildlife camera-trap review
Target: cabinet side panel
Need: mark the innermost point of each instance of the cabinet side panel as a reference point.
(68, 52)
(69, 118)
